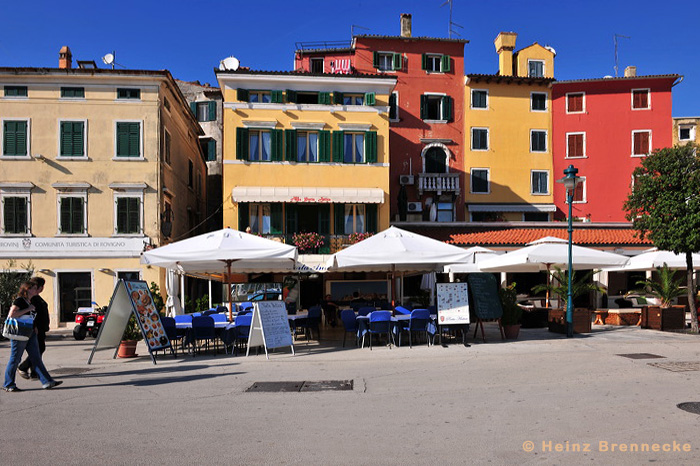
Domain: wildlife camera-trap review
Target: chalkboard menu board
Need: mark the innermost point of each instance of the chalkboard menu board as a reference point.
(484, 292)
(270, 326)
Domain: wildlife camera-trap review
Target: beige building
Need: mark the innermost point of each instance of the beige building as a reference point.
(685, 130)
(95, 166)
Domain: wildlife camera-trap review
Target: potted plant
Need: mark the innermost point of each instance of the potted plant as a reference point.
(512, 312)
(307, 241)
(130, 337)
(559, 287)
(666, 288)
(357, 237)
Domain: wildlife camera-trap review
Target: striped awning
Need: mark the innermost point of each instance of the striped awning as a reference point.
(307, 194)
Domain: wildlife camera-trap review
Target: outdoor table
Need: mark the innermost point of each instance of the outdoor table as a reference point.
(188, 325)
(363, 325)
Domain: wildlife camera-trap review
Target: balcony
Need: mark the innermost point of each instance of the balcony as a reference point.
(439, 183)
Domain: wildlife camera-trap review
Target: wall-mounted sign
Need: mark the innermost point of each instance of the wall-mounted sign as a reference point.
(71, 247)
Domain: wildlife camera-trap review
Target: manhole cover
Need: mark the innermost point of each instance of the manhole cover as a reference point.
(323, 385)
(642, 356)
(677, 366)
(69, 370)
(690, 406)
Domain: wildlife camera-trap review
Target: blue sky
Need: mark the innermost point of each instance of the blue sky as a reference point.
(190, 37)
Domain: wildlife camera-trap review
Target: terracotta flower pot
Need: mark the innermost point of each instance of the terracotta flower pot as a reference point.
(511, 331)
(127, 349)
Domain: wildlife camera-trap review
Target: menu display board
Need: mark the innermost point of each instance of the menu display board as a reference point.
(484, 292)
(147, 315)
(270, 326)
(452, 303)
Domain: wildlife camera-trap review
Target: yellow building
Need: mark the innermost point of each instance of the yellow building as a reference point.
(97, 165)
(685, 130)
(508, 136)
(306, 153)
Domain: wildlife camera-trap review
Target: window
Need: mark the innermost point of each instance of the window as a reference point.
(15, 138)
(538, 101)
(259, 218)
(128, 215)
(435, 107)
(435, 160)
(15, 91)
(535, 68)
(538, 141)
(307, 146)
(436, 63)
(316, 65)
(480, 98)
(190, 174)
(71, 215)
(166, 104)
(354, 147)
(128, 94)
(575, 102)
(15, 214)
(394, 106)
(354, 217)
(72, 92)
(353, 99)
(480, 181)
(640, 99)
(480, 139)
(71, 139)
(260, 96)
(166, 146)
(445, 211)
(387, 61)
(209, 148)
(641, 143)
(307, 98)
(128, 139)
(206, 111)
(260, 144)
(535, 217)
(686, 132)
(540, 182)
(575, 145)
(580, 191)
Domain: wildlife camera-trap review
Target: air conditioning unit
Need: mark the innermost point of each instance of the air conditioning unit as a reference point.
(406, 179)
(415, 207)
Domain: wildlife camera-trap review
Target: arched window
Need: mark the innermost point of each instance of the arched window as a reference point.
(435, 160)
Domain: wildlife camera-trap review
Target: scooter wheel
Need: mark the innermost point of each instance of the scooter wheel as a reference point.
(79, 332)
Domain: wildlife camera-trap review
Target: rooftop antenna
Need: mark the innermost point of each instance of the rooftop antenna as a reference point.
(451, 31)
(109, 59)
(352, 29)
(615, 36)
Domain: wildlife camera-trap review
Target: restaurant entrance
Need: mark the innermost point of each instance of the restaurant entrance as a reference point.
(74, 291)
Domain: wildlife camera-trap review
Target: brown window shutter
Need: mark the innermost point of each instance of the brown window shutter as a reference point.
(578, 192)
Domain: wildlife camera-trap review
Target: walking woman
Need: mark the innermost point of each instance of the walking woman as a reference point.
(20, 307)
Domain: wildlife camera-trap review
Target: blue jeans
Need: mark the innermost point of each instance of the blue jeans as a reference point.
(16, 350)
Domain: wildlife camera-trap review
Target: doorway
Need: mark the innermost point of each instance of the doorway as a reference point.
(74, 291)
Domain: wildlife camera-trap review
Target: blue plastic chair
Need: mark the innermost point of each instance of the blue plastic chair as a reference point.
(242, 326)
(379, 323)
(365, 310)
(349, 320)
(219, 318)
(209, 312)
(172, 333)
(203, 330)
(245, 306)
(182, 333)
(402, 310)
(417, 323)
(312, 321)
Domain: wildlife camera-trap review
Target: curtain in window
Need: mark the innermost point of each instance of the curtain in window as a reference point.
(266, 145)
(254, 222)
(359, 148)
(359, 218)
(348, 219)
(348, 149)
(301, 147)
(254, 141)
(313, 147)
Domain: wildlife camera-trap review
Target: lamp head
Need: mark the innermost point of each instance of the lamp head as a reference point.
(570, 180)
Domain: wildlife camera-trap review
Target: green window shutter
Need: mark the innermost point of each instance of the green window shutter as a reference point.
(339, 219)
(324, 146)
(71, 215)
(424, 62)
(324, 98)
(128, 139)
(445, 63)
(193, 108)
(212, 110)
(392, 106)
(72, 139)
(15, 138)
(338, 146)
(291, 96)
(423, 106)
(277, 145)
(447, 108)
(134, 217)
(375, 59)
(78, 138)
(290, 143)
(211, 150)
(242, 143)
(398, 61)
(370, 98)
(371, 221)
(291, 219)
(15, 218)
(276, 219)
(324, 219)
(243, 216)
(338, 98)
(370, 146)
(128, 215)
(134, 140)
(277, 97)
(242, 95)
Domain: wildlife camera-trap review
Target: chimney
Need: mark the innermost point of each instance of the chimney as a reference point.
(405, 25)
(65, 58)
(505, 44)
(630, 72)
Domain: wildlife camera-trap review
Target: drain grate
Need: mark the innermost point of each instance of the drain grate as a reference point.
(677, 366)
(323, 385)
(642, 356)
(69, 370)
(690, 406)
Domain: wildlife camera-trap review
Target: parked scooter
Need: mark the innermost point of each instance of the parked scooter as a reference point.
(88, 321)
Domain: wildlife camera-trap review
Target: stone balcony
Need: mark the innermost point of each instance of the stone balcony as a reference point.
(440, 183)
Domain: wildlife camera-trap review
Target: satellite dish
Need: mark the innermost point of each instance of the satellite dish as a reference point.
(108, 59)
(551, 49)
(229, 64)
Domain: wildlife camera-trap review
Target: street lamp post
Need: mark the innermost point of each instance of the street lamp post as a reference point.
(570, 181)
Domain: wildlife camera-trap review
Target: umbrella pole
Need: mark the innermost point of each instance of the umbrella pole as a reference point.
(228, 282)
(549, 281)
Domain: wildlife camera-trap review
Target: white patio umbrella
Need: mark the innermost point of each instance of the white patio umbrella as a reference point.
(653, 258)
(172, 288)
(396, 250)
(542, 254)
(478, 254)
(220, 253)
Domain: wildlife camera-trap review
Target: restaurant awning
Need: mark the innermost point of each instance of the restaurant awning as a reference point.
(307, 194)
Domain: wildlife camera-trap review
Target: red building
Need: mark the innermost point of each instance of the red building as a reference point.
(425, 111)
(603, 127)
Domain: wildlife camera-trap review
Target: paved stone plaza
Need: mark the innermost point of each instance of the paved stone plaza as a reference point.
(571, 398)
